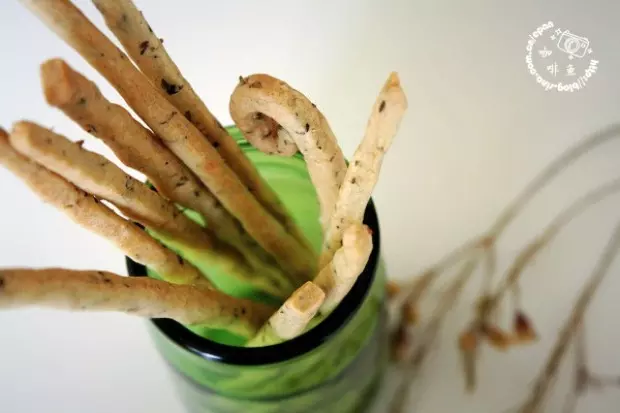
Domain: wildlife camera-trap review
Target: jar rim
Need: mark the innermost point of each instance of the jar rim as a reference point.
(290, 349)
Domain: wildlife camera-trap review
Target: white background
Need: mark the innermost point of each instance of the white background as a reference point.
(478, 128)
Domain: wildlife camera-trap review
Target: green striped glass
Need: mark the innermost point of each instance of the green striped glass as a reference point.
(336, 366)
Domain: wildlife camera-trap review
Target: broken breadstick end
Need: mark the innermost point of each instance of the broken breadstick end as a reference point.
(292, 318)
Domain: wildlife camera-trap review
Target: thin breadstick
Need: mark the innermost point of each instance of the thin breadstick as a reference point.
(337, 278)
(81, 100)
(98, 176)
(148, 52)
(177, 133)
(363, 171)
(75, 290)
(275, 118)
(291, 318)
(91, 214)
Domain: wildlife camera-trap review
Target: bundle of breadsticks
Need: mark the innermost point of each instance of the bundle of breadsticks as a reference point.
(192, 163)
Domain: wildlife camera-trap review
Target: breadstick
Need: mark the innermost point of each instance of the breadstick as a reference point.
(177, 133)
(75, 290)
(81, 100)
(337, 278)
(275, 118)
(98, 176)
(363, 171)
(91, 214)
(146, 49)
(292, 317)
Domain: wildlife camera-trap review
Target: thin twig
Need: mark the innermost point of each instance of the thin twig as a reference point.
(429, 335)
(513, 209)
(530, 252)
(548, 374)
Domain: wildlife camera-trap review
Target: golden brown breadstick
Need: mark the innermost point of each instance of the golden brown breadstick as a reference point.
(337, 278)
(146, 49)
(75, 290)
(136, 147)
(363, 171)
(291, 318)
(275, 118)
(98, 176)
(91, 214)
(177, 133)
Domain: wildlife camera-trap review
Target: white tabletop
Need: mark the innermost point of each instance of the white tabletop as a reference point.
(478, 129)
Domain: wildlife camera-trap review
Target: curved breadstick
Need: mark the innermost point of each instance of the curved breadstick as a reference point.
(98, 176)
(337, 278)
(177, 133)
(81, 100)
(363, 171)
(96, 217)
(75, 290)
(291, 318)
(275, 118)
(146, 49)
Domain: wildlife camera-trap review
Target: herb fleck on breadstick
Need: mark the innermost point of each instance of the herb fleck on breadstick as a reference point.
(177, 133)
(146, 49)
(363, 171)
(91, 214)
(275, 118)
(292, 317)
(75, 290)
(337, 278)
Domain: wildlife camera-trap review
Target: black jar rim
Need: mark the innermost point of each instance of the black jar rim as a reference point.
(288, 350)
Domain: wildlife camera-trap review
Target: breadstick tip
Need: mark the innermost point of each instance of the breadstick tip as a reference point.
(393, 80)
(58, 82)
(3, 135)
(354, 233)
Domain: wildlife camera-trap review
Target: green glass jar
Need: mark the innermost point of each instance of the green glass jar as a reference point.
(336, 366)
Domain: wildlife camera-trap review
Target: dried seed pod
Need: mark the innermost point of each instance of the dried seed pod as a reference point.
(498, 338)
(523, 329)
(392, 289)
(409, 313)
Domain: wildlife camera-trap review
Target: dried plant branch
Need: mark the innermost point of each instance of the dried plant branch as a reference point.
(142, 296)
(580, 373)
(551, 171)
(571, 327)
(429, 335)
(512, 210)
(529, 253)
